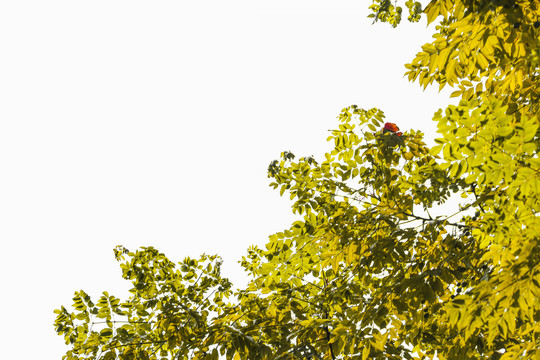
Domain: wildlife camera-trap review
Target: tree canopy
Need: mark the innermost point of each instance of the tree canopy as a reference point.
(369, 273)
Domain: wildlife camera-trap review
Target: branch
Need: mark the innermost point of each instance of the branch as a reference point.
(328, 338)
(473, 188)
(461, 226)
(326, 327)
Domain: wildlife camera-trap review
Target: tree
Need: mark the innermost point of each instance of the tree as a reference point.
(369, 273)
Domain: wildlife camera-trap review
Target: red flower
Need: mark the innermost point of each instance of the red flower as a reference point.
(391, 127)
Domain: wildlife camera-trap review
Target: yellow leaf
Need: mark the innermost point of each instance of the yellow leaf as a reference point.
(512, 83)
(519, 79)
(432, 11)
(482, 61)
(456, 93)
(365, 352)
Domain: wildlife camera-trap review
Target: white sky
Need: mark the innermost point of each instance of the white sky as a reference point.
(152, 123)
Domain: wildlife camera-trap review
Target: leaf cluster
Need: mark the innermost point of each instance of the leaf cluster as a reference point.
(367, 272)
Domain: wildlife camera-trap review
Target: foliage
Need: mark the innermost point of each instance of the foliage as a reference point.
(489, 51)
(169, 310)
(367, 272)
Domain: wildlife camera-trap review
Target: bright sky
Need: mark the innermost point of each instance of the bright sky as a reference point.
(152, 123)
